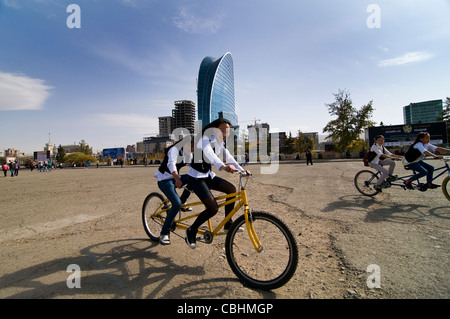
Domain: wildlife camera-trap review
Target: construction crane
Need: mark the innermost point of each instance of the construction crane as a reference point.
(254, 120)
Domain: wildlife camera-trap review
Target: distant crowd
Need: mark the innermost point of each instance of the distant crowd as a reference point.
(11, 166)
(14, 167)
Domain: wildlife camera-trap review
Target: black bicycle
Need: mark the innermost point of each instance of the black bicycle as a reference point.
(365, 181)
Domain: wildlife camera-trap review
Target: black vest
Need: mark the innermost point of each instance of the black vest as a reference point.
(203, 166)
(163, 167)
(412, 154)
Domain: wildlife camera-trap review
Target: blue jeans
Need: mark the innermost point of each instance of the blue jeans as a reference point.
(422, 169)
(168, 188)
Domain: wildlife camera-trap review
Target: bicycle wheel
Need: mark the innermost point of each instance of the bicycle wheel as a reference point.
(446, 187)
(153, 223)
(365, 181)
(275, 264)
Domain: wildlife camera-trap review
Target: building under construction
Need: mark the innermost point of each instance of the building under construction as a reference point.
(183, 115)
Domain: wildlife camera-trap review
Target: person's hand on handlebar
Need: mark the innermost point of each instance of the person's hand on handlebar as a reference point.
(244, 173)
(231, 169)
(228, 168)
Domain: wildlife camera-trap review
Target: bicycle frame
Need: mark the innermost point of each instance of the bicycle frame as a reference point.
(445, 168)
(240, 197)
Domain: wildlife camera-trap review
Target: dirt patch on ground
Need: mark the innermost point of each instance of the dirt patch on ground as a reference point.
(91, 218)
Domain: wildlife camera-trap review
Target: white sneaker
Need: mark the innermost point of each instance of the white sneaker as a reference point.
(164, 240)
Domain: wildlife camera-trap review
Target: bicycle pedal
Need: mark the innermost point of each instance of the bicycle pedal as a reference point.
(207, 237)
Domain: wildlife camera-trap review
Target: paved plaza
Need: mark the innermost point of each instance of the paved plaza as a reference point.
(394, 245)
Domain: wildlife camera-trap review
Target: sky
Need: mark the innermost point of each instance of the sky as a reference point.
(105, 71)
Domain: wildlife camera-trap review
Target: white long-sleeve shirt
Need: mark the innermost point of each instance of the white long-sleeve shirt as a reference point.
(422, 148)
(173, 159)
(207, 146)
(379, 151)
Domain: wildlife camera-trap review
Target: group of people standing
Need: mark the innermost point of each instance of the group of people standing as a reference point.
(14, 167)
(11, 166)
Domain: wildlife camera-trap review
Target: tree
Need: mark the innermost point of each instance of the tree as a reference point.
(79, 158)
(303, 142)
(289, 146)
(60, 155)
(446, 117)
(350, 122)
(84, 148)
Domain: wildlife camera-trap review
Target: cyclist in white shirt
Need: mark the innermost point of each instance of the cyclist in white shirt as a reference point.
(416, 154)
(202, 179)
(383, 158)
(169, 179)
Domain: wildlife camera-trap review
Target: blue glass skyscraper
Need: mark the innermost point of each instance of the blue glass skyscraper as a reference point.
(215, 91)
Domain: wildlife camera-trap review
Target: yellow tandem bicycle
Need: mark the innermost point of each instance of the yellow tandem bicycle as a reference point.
(265, 256)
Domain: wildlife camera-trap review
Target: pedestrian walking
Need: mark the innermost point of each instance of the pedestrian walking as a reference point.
(5, 168)
(308, 157)
(16, 169)
(11, 168)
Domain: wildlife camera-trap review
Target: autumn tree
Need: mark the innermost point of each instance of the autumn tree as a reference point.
(289, 146)
(303, 142)
(349, 123)
(84, 148)
(446, 116)
(79, 158)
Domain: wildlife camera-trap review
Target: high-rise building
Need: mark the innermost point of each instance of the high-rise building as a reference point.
(184, 115)
(215, 90)
(423, 112)
(165, 125)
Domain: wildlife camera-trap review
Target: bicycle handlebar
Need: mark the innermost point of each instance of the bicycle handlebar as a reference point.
(244, 174)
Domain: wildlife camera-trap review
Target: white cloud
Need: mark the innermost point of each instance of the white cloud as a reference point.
(20, 92)
(135, 123)
(135, 3)
(11, 3)
(194, 24)
(409, 57)
(16, 4)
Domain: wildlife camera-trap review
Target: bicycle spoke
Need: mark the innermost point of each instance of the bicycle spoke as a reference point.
(365, 181)
(269, 267)
(152, 217)
(273, 265)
